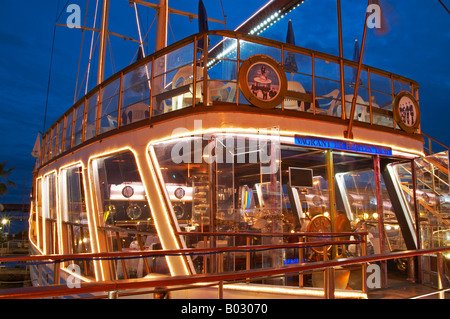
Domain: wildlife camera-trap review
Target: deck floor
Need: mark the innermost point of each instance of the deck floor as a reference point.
(400, 289)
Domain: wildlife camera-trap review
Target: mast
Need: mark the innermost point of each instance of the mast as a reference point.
(103, 39)
(161, 30)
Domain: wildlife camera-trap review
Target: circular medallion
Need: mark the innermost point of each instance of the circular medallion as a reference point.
(406, 112)
(127, 191)
(319, 224)
(262, 81)
(134, 211)
(179, 193)
(179, 211)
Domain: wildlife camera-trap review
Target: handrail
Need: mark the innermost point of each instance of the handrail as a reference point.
(50, 139)
(436, 141)
(296, 234)
(52, 258)
(116, 285)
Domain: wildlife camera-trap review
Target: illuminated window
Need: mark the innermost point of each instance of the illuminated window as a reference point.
(39, 220)
(75, 230)
(125, 222)
(49, 206)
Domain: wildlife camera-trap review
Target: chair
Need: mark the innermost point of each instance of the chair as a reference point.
(183, 77)
(361, 110)
(294, 104)
(218, 91)
(135, 112)
(329, 108)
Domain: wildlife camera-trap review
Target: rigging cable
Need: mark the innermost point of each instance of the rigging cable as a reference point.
(141, 46)
(444, 6)
(81, 52)
(143, 39)
(90, 53)
(223, 14)
(85, 72)
(51, 62)
(113, 63)
(139, 29)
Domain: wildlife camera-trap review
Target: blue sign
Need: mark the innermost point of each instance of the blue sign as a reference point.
(320, 142)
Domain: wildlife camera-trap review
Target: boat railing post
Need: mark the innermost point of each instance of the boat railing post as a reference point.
(220, 266)
(205, 259)
(141, 247)
(441, 275)
(119, 246)
(300, 260)
(119, 106)
(56, 274)
(220, 287)
(247, 258)
(113, 294)
(329, 283)
(205, 71)
(364, 265)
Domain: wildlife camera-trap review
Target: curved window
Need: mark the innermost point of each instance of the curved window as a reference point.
(224, 183)
(75, 228)
(125, 222)
(50, 232)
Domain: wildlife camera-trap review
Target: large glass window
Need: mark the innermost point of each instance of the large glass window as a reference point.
(91, 116)
(39, 218)
(50, 231)
(68, 132)
(75, 228)
(328, 87)
(125, 222)
(298, 68)
(247, 196)
(78, 125)
(432, 196)
(59, 145)
(356, 183)
(136, 95)
(172, 80)
(109, 106)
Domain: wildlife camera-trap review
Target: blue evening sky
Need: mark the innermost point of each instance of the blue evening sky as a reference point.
(417, 46)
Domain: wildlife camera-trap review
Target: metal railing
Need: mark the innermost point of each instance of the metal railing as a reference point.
(219, 280)
(174, 78)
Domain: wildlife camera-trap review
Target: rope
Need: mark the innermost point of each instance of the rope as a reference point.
(223, 14)
(85, 72)
(90, 53)
(113, 63)
(51, 64)
(81, 52)
(448, 11)
(143, 39)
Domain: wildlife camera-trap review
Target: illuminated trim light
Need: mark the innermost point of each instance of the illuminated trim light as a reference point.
(274, 18)
(310, 292)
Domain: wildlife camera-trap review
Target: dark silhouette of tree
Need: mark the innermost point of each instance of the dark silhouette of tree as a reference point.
(4, 181)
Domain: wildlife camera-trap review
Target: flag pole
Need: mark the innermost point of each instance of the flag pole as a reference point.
(348, 133)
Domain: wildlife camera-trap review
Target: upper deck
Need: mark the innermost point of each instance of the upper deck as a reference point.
(302, 85)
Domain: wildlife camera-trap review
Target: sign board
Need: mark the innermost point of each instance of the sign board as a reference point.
(320, 142)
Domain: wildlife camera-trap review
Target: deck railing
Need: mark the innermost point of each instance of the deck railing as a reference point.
(174, 78)
(219, 280)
